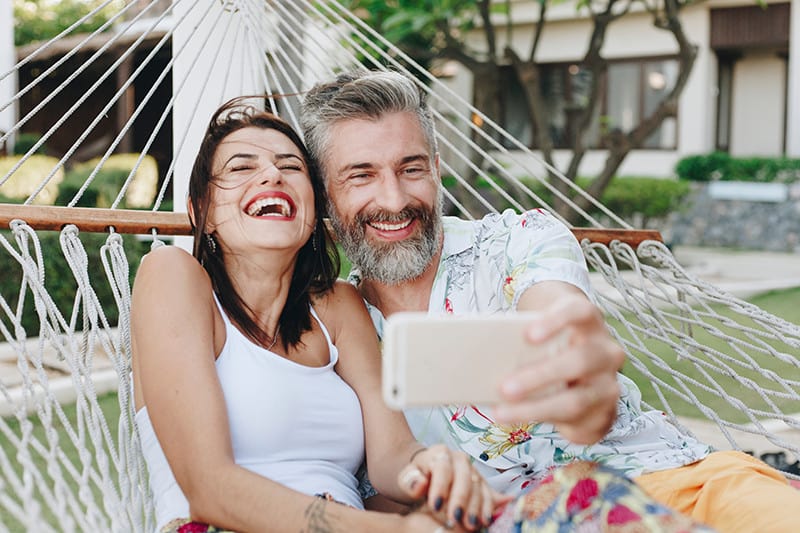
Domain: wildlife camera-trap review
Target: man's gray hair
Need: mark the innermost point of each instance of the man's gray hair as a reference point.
(366, 94)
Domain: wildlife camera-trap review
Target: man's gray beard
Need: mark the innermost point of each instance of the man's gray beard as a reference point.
(394, 262)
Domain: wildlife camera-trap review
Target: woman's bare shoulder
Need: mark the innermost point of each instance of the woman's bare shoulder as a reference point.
(171, 269)
(341, 296)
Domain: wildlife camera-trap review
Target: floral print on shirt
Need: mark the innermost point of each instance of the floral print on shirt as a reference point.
(486, 266)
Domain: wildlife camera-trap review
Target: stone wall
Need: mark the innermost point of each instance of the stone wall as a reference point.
(750, 216)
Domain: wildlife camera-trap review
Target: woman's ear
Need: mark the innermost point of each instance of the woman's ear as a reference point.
(190, 212)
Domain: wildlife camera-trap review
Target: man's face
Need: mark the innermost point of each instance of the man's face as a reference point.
(384, 197)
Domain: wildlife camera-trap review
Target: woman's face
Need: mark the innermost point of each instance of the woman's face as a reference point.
(261, 193)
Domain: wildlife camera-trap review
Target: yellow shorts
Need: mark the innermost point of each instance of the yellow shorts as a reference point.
(731, 492)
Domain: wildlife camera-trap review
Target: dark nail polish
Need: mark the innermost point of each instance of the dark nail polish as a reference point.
(473, 520)
(459, 514)
(437, 505)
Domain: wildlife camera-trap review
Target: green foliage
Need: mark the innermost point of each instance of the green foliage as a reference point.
(29, 176)
(38, 20)
(648, 197)
(59, 281)
(719, 166)
(702, 167)
(108, 181)
(101, 192)
(627, 196)
(26, 141)
(416, 26)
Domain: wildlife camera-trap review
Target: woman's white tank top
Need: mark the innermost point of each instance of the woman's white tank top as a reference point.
(300, 426)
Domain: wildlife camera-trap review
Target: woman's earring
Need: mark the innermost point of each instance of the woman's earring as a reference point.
(211, 242)
(314, 239)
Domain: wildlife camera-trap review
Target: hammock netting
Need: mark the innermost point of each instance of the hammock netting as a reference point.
(136, 95)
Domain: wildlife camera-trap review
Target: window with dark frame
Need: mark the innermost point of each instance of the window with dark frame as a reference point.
(630, 90)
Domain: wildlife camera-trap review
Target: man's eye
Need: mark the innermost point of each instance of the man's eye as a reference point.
(413, 170)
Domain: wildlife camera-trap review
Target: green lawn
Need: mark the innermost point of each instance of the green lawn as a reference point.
(110, 408)
(780, 303)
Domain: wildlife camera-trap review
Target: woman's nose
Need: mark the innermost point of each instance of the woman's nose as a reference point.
(271, 174)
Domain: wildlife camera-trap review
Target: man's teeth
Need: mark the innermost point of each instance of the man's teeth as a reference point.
(385, 226)
(271, 206)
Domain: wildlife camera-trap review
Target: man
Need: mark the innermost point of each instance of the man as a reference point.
(373, 136)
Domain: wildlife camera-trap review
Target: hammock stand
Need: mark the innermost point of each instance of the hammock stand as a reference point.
(67, 465)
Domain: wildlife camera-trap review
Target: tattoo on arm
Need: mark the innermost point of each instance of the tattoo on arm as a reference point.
(317, 519)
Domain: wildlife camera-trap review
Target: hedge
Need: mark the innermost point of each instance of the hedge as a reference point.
(29, 176)
(142, 189)
(59, 281)
(627, 196)
(720, 166)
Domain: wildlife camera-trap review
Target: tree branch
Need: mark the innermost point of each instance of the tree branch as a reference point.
(488, 26)
(537, 36)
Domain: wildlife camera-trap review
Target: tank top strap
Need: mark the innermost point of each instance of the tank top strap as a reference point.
(225, 318)
(321, 324)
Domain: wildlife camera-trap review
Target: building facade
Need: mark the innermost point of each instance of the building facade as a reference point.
(742, 97)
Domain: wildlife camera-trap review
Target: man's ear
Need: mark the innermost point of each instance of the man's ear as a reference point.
(436, 165)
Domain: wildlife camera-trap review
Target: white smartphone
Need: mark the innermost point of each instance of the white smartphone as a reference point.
(440, 360)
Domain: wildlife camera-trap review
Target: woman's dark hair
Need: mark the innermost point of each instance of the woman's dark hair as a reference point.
(317, 265)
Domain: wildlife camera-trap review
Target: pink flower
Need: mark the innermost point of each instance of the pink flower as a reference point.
(193, 527)
(622, 515)
(519, 436)
(448, 305)
(582, 495)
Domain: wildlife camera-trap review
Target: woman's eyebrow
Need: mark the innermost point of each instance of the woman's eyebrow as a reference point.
(243, 156)
(288, 155)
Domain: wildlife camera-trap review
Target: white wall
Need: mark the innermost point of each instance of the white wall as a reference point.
(698, 103)
(8, 57)
(793, 104)
(758, 107)
(215, 61)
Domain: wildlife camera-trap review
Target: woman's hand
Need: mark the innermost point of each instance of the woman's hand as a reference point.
(454, 491)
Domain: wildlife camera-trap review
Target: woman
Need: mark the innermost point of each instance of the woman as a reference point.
(256, 374)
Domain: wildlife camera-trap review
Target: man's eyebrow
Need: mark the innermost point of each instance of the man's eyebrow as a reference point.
(355, 166)
(403, 161)
(414, 158)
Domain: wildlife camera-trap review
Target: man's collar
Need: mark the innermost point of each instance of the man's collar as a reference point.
(458, 236)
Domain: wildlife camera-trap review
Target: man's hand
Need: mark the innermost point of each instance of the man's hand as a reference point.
(575, 387)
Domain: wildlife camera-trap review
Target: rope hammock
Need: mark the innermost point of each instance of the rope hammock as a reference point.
(146, 83)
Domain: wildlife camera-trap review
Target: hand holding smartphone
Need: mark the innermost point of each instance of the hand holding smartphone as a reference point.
(439, 360)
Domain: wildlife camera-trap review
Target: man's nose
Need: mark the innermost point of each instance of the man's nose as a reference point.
(392, 195)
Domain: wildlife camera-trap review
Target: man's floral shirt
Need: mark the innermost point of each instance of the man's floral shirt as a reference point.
(485, 267)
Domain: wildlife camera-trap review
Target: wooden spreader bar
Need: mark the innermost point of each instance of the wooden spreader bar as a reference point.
(131, 221)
